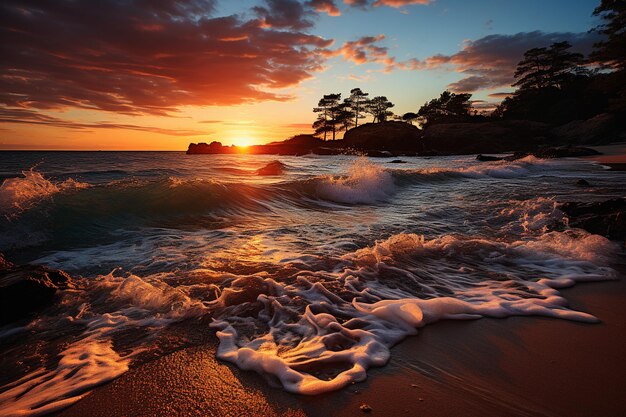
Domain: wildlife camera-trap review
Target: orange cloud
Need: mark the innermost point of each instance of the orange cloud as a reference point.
(138, 57)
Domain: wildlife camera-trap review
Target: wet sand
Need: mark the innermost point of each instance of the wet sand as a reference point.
(519, 366)
(613, 156)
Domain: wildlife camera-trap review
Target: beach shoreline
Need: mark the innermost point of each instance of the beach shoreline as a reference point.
(518, 366)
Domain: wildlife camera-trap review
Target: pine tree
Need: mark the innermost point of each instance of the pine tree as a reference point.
(358, 103)
(379, 108)
(612, 51)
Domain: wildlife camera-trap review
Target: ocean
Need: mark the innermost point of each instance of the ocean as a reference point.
(308, 276)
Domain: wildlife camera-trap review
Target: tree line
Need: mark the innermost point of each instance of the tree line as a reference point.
(335, 115)
(554, 85)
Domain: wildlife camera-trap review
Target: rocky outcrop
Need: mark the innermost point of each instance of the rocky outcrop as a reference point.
(599, 130)
(392, 137)
(485, 137)
(606, 218)
(26, 289)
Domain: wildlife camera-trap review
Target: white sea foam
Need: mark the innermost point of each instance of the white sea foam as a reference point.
(83, 365)
(365, 183)
(21, 193)
(353, 336)
(112, 305)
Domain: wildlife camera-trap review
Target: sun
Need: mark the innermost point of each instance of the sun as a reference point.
(243, 141)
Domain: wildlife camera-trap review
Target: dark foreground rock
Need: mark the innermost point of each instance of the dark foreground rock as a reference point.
(606, 218)
(25, 289)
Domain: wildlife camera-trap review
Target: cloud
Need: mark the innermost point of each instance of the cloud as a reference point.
(24, 116)
(500, 95)
(490, 62)
(150, 57)
(325, 6)
(390, 3)
(284, 14)
(367, 50)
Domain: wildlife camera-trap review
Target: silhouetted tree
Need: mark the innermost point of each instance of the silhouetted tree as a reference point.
(345, 115)
(612, 51)
(548, 67)
(409, 117)
(327, 107)
(379, 108)
(449, 107)
(358, 103)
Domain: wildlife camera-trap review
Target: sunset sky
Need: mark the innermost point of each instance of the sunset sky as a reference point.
(142, 74)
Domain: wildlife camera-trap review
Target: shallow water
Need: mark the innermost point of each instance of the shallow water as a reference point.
(309, 276)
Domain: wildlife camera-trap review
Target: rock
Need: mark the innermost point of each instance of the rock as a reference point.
(606, 218)
(485, 137)
(487, 158)
(583, 183)
(564, 152)
(273, 168)
(600, 129)
(28, 288)
(365, 408)
(397, 161)
(212, 148)
(378, 154)
(395, 137)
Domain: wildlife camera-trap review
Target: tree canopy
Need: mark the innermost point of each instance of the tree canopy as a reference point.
(379, 108)
(548, 67)
(612, 51)
(449, 107)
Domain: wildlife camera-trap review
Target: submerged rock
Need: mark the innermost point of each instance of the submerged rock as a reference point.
(564, 152)
(583, 183)
(606, 218)
(487, 158)
(25, 289)
(397, 161)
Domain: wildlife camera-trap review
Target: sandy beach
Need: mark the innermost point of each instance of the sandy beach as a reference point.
(613, 156)
(519, 366)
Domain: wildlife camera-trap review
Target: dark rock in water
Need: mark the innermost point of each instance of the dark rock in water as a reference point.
(583, 183)
(273, 168)
(554, 152)
(487, 158)
(27, 288)
(564, 152)
(606, 218)
(378, 154)
(397, 161)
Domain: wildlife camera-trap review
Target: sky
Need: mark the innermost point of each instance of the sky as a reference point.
(159, 74)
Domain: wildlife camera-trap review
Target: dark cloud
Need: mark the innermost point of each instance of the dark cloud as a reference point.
(490, 62)
(142, 56)
(25, 116)
(284, 14)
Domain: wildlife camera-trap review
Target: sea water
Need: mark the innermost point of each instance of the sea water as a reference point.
(308, 277)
